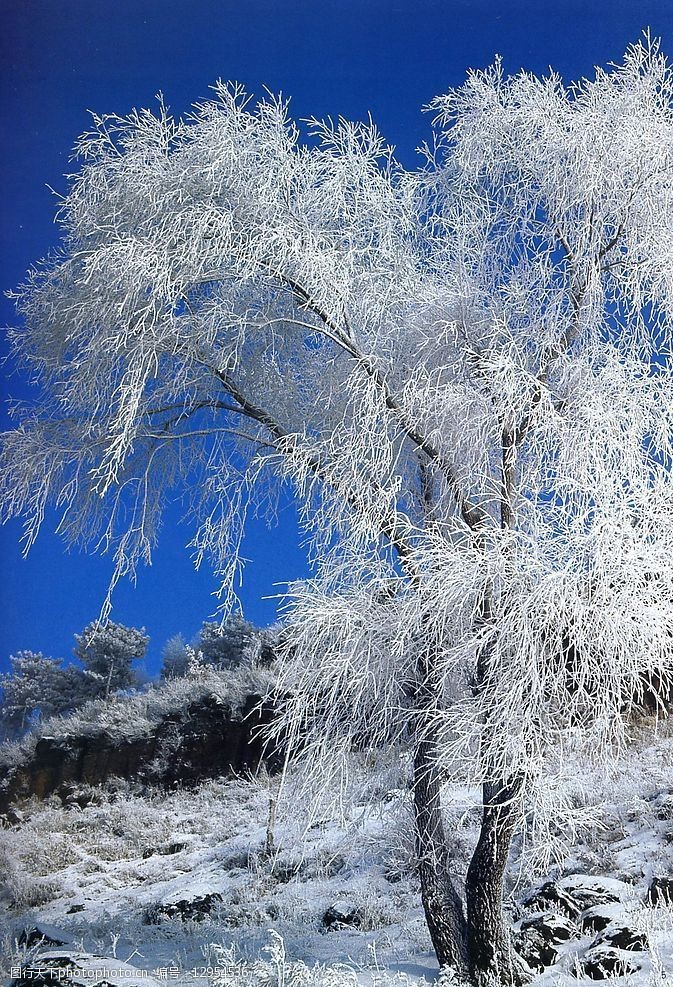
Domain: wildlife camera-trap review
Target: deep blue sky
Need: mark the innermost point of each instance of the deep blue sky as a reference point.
(60, 58)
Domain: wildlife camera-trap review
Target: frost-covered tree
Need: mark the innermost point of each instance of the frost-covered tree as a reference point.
(38, 685)
(107, 652)
(464, 373)
(228, 643)
(174, 657)
(223, 644)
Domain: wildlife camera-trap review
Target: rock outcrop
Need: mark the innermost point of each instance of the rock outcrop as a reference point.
(559, 917)
(204, 739)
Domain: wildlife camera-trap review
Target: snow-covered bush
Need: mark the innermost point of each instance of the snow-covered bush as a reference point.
(174, 657)
(39, 686)
(227, 644)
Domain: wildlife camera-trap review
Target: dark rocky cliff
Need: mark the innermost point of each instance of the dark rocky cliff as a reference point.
(203, 739)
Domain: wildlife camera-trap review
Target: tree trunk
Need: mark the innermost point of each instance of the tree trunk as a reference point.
(478, 946)
(490, 950)
(441, 902)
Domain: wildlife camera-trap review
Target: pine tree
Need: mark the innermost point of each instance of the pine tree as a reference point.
(39, 686)
(107, 651)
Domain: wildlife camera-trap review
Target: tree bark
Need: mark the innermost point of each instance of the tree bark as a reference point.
(477, 945)
(490, 950)
(441, 902)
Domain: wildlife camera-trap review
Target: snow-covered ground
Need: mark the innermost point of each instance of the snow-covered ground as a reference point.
(230, 887)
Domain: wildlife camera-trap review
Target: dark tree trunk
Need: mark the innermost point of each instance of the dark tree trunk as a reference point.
(478, 945)
(441, 902)
(490, 951)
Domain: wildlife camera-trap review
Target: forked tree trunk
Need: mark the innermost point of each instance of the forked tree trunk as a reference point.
(489, 946)
(441, 902)
(477, 947)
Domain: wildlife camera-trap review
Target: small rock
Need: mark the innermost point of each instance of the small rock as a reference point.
(342, 914)
(164, 851)
(41, 933)
(588, 891)
(551, 894)
(601, 962)
(621, 937)
(552, 926)
(72, 795)
(194, 909)
(539, 934)
(74, 908)
(173, 848)
(595, 919)
(660, 891)
(69, 968)
(663, 801)
(532, 948)
(284, 871)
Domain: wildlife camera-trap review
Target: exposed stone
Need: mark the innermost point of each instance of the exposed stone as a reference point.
(554, 926)
(533, 948)
(74, 795)
(539, 934)
(193, 909)
(601, 962)
(551, 897)
(597, 918)
(587, 891)
(164, 851)
(41, 933)
(12, 817)
(342, 914)
(70, 968)
(621, 937)
(202, 740)
(662, 802)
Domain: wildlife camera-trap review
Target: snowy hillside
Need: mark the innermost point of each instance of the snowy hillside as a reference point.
(231, 885)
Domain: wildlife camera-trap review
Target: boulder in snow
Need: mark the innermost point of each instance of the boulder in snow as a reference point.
(551, 897)
(598, 917)
(621, 937)
(41, 933)
(187, 909)
(342, 914)
(532, 947)
(538, 936)
(588, 891)
(602, 962)
(70, 968)
(165, 851)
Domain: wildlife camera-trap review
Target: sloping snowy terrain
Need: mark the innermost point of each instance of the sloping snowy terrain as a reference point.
(229, 885)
